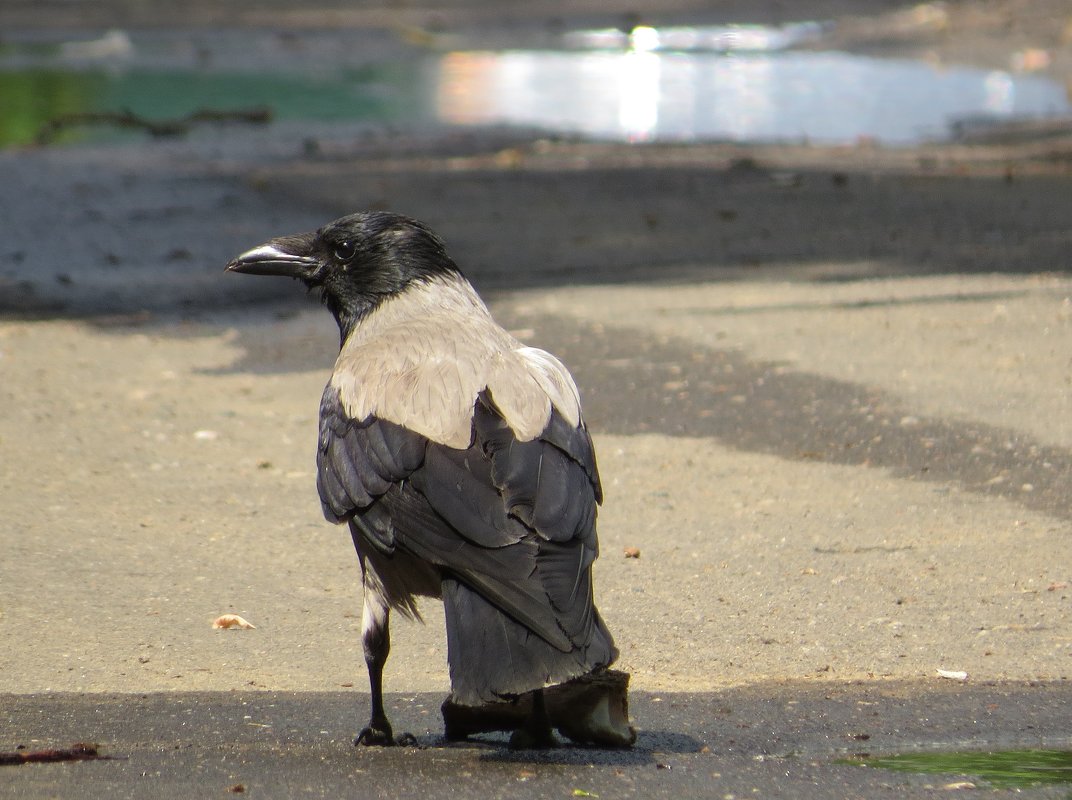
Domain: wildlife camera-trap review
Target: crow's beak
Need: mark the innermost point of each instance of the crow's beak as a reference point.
(283, 256)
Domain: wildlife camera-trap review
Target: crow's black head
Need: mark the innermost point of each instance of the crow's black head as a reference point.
(356, 262)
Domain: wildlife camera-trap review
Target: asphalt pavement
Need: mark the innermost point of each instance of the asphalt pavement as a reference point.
(791, 740)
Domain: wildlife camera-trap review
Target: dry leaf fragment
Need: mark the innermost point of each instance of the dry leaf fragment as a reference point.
(82, 751)
(632, 552)
(232, 621)
(953, 675)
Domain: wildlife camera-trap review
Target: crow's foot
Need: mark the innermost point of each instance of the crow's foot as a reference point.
(533, 737)
(535, 733)
(382, 736)
(376, 735)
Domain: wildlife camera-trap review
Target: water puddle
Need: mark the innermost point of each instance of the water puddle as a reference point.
(828, 98)
(1007, 769)
(725, 83)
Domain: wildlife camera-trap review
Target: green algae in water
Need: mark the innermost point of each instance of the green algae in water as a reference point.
(1007, 769)
(30, 99)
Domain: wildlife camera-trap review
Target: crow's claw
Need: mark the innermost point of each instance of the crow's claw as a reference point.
(375, 737)
(533, 738)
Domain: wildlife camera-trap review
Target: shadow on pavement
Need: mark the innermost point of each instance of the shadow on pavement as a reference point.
(787, 737)
(128, 239)
(678, 388)
(591, 224)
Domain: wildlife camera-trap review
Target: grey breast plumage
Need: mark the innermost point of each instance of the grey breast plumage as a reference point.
(446, 440)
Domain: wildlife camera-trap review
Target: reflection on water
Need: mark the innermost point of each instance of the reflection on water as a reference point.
(642, 95)
(698, 38)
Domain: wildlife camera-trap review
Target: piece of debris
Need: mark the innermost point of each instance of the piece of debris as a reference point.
(591, 709)
(232, 621)
(632, 552)
(953, 675)
(258, 115)
(81, 751)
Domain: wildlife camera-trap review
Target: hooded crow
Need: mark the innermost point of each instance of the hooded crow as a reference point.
(460, 461)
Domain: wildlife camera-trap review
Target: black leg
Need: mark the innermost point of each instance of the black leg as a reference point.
(536, 733)
(376, 638)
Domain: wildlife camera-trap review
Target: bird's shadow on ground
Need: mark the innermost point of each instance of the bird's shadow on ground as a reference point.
(649, 745)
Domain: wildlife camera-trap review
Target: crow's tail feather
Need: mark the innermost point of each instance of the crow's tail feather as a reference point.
(492, 656)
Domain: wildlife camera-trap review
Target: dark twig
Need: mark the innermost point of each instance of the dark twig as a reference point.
(258, 115)
(76, 752)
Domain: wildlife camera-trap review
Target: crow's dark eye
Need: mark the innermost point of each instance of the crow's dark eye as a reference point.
(344, 251)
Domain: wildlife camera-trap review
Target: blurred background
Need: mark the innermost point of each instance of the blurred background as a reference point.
(673, 134)
(822, 72)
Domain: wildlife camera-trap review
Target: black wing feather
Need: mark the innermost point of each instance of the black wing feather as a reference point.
(359, 460)
(551, 489)
(576, 442)
(458, 486)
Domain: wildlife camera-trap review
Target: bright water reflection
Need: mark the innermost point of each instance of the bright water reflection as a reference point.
(642, 95)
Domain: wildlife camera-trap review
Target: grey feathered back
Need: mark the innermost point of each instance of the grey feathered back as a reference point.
(421, 358)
